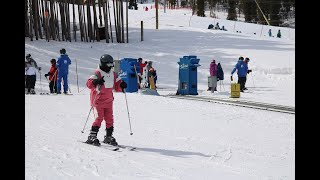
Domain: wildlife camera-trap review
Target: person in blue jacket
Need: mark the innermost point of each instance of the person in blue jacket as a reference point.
(242, 68)
(63, 70)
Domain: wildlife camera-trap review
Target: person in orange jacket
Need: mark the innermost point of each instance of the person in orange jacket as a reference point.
(53, 73)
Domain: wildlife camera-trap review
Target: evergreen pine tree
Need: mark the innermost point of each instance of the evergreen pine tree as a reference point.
(232, 14)
(200, 7)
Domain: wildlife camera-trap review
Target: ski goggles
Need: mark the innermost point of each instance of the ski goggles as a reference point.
(108, 64)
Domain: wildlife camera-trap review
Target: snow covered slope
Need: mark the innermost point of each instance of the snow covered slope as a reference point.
(175, 139)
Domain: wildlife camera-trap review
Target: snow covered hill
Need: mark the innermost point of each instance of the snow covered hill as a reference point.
(175, 139)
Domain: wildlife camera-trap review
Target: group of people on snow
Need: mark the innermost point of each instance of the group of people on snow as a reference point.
(217, 27)
(278, 34)
(216, 72)
(58, 72)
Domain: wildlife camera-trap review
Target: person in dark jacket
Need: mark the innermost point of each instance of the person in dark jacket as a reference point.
(63, 70)
(279, 34)
(53, 74)
(242, 70)
(220, 73)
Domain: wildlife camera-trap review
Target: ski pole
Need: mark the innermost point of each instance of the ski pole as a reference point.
(40, 83)
(223, 86)
(127, 111)
(54, 81)
(137, 76)
(87, 119)
(77, 74)
(90, 111)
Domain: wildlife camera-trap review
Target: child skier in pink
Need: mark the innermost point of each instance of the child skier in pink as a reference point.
(102, 84)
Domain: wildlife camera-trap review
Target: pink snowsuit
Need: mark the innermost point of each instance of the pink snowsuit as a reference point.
(102, 99)
(213, 69)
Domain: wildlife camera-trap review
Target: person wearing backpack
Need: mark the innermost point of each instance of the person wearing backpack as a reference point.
(213, 75)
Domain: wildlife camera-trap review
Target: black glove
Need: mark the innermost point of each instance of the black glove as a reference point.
(249, 71)
(46, 75)
(39, 68)
(123, 85)
(98, 81)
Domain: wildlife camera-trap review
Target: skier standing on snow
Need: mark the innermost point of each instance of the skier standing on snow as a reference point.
(53, 74)
(142, 65)
(63, 70)
(242, 68)
(102, 84)
(279, 34)
(152, 72)
(270, 33)
(31, 75)
(213, 72)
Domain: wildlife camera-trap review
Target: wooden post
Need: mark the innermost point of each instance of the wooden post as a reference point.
(115, 21)
(105, 15)
(31, 20)
(26, 19)
(38, 18)
(127, 21)
(35, 15)
(89, 20)
(68, 20)
(56, 20)
(95, 22)
(121, 6)
(141, 30)
(261, 30)
(100, 17)
(74, 22)
(80, 22)
(52, 25)
(85, 24)
(157, 19)
(110, 23)
(43, 18)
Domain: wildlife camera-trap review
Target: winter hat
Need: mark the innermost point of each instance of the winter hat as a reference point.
(63, 51)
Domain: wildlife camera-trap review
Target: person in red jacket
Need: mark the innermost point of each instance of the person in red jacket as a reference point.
(142, 65)
(102, 84)
(53, 73)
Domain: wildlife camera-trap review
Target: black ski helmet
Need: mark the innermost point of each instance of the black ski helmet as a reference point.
(106, 59)
(53, 61)
(63, 51)
(28, 56)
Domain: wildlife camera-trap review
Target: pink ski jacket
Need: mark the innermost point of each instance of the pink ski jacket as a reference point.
(102, 95)
(213, 69)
